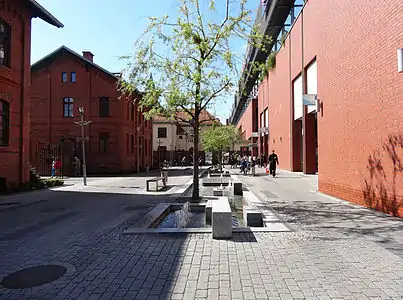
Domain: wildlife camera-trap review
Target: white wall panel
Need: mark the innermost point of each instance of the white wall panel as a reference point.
(297, 86)
(312, 83)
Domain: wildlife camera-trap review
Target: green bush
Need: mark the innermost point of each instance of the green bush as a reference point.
(52, 182)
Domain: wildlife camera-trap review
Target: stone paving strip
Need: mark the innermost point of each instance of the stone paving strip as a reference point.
(290, 265)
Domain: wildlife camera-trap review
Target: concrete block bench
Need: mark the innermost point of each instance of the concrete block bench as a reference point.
(156, 180)
(221, 219)
(208, 211)
(218, 192)
(237, 188)
(252, 217)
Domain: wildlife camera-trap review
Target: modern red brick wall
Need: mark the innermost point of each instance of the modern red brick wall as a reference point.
(246, 121)
(49, 125)
(279, 102)
(14, 88)
(361, 125)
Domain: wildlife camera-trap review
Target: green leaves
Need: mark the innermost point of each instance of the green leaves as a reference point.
(217, 138)
(191, 57)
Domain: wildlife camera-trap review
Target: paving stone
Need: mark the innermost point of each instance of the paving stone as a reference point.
(305, 264)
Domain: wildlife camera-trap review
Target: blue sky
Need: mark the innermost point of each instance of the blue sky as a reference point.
(108, 29)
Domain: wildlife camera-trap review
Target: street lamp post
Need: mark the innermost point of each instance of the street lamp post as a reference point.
(83, 123)
(159, 154)
(138, 149)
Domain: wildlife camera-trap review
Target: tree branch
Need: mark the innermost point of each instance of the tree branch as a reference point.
(219, 31)
(215, 94)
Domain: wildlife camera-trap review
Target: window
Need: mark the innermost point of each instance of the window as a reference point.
(162, 132)
(64, 76)
(4, 123)
(132, 143)
(68, 107)
(127, 144)
(180, 137)
(103, 142)
(104, 107)
(5, 43)
(132, 112)
(73, 77)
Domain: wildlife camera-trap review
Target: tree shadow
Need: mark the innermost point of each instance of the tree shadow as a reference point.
(385, 167)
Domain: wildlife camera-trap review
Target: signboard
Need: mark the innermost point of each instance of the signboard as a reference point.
(252, 145)
(255, 134)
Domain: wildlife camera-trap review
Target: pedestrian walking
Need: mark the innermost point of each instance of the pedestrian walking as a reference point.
(77, 166)
(273, 162)
(58, 168)
(53, 168)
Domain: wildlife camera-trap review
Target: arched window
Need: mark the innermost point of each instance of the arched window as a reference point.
(4, 123)
(4, 43)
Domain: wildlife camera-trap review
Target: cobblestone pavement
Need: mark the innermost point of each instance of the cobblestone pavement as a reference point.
(295, 198)
(104, 264)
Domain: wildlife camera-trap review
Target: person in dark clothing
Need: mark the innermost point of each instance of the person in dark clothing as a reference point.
(273, 162)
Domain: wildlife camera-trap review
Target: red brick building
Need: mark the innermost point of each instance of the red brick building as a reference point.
(119, 137)
(353, 136)
(15, 52)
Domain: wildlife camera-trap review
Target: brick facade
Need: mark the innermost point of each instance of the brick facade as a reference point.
(248, 124)
(15, 90)
(360, 126)
(50, 126)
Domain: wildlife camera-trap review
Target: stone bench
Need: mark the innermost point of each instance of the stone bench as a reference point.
(237, 188)
(156, 180)
(221, 219)
(252, 217)
(208, 211)
(218, 192)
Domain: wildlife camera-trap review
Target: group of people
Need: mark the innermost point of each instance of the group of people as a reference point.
(245, 162)
(56, 168)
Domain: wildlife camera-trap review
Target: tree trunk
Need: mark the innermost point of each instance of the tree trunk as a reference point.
(195, 194)
(220, 158)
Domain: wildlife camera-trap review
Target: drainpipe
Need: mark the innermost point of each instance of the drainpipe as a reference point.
(291, 100)
(50, 107)
(22, 101)
(304, 108)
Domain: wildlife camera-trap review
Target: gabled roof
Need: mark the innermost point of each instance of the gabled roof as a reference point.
(40, 12)
(53, 55)
(205, 116)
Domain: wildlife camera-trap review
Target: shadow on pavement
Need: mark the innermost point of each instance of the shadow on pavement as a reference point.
(85, 231)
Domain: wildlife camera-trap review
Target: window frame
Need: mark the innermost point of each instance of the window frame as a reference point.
(104, 109)
(4, 123)
(132, 112)
(6, 42)
(69, 102)
(75, 77)
(104, 138)
(158, 133)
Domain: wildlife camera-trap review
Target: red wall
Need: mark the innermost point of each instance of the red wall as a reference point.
(14, 88)
(355, 46)
(49, 125)
(246, 121)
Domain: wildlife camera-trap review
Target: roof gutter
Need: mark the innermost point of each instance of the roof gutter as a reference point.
(41, 12)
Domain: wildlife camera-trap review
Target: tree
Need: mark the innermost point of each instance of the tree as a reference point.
(191, 61)
(216, 138)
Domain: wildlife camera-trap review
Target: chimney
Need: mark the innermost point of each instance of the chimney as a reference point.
(88, 55)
